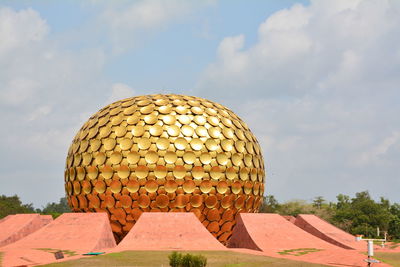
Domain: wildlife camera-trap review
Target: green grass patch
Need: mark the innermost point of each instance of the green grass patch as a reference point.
(68, 253)
(298, 251)
(160, 258)
(389, 258)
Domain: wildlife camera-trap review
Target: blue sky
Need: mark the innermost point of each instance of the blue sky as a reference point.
(316, 81)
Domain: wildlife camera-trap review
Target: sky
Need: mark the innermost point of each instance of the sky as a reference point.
(316, 81)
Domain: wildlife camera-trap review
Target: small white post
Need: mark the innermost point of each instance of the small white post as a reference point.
(370, 248)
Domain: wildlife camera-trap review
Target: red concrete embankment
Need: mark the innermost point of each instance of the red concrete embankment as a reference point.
(75, 233)
(15, 227)
(326, 231)
(277, 237)
(169, 231)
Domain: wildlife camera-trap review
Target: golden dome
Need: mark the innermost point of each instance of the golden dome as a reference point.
(165, 153)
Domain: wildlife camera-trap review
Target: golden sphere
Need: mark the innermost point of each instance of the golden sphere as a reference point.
(165, 153)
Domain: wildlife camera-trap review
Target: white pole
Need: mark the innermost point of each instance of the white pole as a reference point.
(370, 248)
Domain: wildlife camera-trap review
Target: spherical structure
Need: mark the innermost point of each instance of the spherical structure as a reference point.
(165, 153)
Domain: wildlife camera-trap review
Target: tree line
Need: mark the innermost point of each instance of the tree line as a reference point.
(358, 215)
(13, 205)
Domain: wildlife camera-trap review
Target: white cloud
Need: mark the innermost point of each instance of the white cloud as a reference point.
(128, 23)
(120, 91)
(320, 90)
(17, 28)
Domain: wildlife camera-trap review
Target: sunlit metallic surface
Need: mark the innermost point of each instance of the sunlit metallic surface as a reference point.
(165, 153)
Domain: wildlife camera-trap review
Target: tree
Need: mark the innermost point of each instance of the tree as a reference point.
(13, 205)
(56, 209)
(269, 205)
(318, 201)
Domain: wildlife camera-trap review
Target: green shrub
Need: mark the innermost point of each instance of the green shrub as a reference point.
(178, 260)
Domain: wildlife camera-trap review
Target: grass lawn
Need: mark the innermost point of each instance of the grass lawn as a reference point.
(160, 258)
(389, 258)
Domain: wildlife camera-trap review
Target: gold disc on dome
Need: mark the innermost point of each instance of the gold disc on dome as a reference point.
(215, 172)
(201, 131)
(156, 130)
(133, 157)
(144, 143)
(222, 187)
(180, 143)
(205, 158)
(169, 119)
(105, 131)
(198, 172)
(144, 201)
(237, 159)
(228, 133)
(151, 157)
(86, 187)
(189, 157)
(162, 201)
(126, 143)
(100, 187)
(165, 109)
(211, 201)
(115, 186)
(95, 144)
(133, 186)
(170, 186)
(196, 200)
(126, 201)
(80, 173)
(100, 158)
(205, 186)
(196, 144)
(231, 173)
(179, 172)
(160, 171)
(222, 158)
(199, 120)
(214, 121)
(92, 172)
(184, 119)
(141, 172)
(132, 120)
(187, 130)
(181, 110)
(137, 131)
(162, 143)
(181, 201)
(170, 157)
(173, 130)
(211, 145)
(116, 157)
(214, 132)
(120, 131)
(197, 110)
(107, 172)
(147, 109)
(227, 145)
(123, 172)
(188, 186)
(86, 158)
(151, 186)
(150, 119)
(236, 187)
(109, 143)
